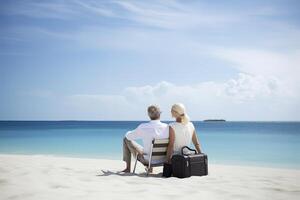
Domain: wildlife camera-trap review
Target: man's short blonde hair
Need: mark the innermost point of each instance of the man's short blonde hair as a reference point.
(154, 112)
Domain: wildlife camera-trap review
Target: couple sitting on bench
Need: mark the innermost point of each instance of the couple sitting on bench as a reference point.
(160, 140)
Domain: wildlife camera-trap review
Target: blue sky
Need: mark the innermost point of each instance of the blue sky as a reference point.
(108, 60)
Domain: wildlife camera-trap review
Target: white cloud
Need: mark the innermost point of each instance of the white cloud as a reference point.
(164, 14)
(248, 87)
(256, 61)
(38, 9)
(173, 14)
(282, 67)
(96, 8)
(247, 97)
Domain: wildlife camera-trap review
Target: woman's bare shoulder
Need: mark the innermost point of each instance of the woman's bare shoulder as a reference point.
(190, 124)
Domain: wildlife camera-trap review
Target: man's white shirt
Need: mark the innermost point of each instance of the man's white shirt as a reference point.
(154, 129)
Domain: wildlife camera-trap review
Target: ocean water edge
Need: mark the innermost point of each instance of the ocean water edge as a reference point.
(266, 144)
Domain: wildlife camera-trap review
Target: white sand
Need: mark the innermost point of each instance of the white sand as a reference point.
(48, 177)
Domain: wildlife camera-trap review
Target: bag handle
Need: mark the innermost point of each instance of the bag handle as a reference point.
(186, 147)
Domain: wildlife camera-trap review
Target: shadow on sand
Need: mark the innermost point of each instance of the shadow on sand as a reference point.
(108, 173)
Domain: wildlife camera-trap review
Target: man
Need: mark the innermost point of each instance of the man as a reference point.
(147, 132)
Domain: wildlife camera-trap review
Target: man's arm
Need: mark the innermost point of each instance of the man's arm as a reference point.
(135, 134)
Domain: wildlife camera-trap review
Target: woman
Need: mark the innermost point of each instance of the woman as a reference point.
(181, 132)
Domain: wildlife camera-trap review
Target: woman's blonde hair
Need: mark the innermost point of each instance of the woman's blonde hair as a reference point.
(179, 111)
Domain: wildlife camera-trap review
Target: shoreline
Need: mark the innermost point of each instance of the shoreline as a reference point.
(145, 120)
(49, 177)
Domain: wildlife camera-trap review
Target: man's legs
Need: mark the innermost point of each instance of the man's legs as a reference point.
(130, 147)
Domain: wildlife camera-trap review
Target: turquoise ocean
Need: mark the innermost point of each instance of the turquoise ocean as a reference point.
(270, 144)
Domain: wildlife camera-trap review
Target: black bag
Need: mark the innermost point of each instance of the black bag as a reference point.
(167, 170)
(189, 165)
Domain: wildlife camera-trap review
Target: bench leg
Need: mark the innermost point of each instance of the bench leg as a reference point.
(135, 164)
(148, 169)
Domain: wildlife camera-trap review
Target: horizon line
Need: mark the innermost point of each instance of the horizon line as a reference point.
(216, 120)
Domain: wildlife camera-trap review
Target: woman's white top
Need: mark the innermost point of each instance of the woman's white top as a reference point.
(183, 135)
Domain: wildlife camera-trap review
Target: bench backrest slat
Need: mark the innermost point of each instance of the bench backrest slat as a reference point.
(159, 149)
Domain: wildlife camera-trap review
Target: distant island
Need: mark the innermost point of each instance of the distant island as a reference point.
(214, 120)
